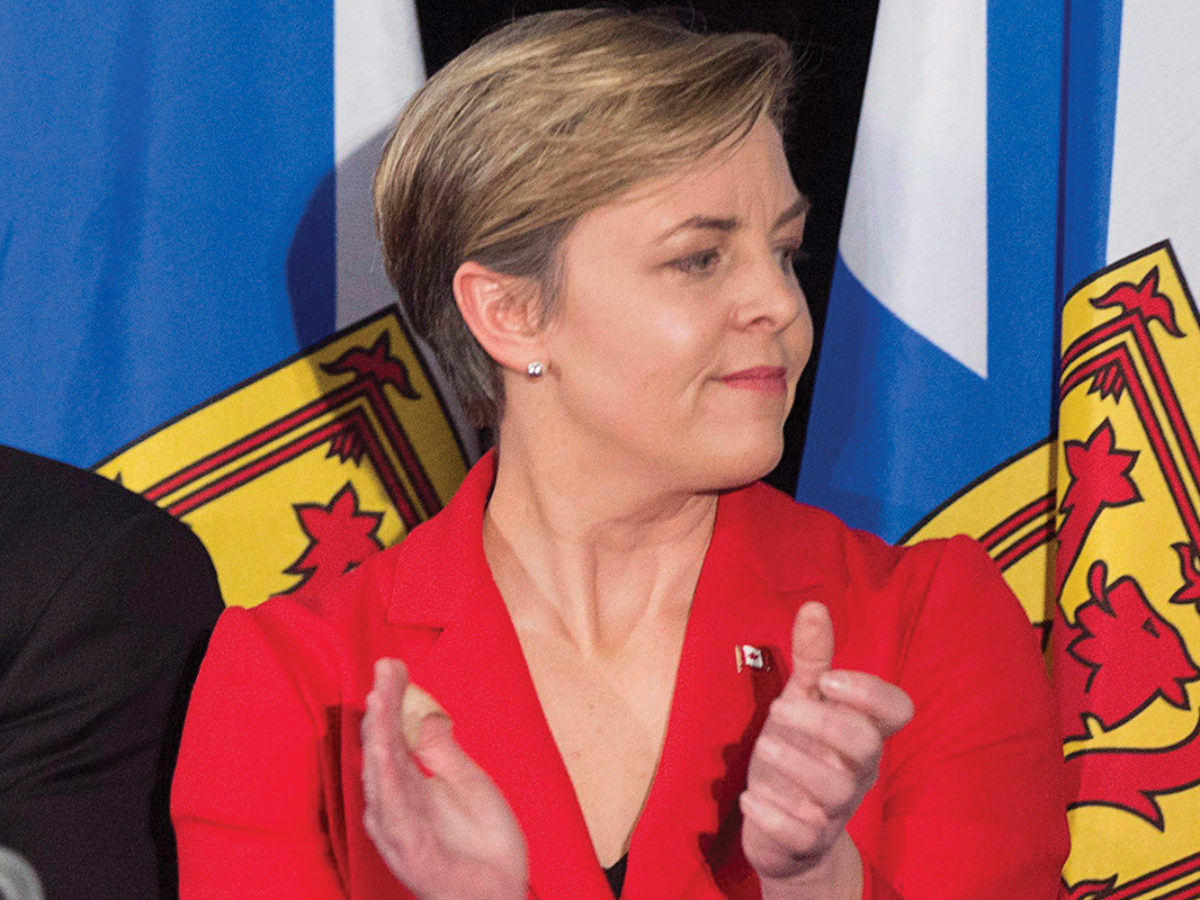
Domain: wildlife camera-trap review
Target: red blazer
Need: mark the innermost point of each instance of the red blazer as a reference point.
(268, 798)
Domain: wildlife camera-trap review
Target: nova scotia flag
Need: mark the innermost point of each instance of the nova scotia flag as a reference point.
(1005, 151)
(1012, 351)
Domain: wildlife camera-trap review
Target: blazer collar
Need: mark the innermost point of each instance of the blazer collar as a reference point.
(476, 670)
(745, 598)
(746, 531)
(441, 567)
(761, 534)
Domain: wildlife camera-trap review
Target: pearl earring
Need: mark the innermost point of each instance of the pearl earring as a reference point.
(535, 369)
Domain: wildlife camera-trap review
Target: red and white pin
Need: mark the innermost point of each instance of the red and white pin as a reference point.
(748, 656)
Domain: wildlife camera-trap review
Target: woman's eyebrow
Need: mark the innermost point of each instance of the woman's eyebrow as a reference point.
(731, 223)
(701, 223)
(795, 211)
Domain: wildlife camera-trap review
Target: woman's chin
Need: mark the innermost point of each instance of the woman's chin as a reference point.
(741, 462)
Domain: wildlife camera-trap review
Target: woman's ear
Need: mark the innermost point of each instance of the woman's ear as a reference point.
(502, 311)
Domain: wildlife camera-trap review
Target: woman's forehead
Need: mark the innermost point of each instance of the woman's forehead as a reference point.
(748, 183)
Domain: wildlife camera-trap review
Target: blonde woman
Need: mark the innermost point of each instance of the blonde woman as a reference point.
(643, 664)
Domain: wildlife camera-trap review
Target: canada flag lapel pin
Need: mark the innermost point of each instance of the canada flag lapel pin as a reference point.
(747, 656)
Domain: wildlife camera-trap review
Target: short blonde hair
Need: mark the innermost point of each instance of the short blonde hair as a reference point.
(505, 148)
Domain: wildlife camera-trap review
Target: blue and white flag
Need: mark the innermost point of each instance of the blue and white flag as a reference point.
(184, 200)
(937, 354)
(1005, 152)
(1012, 351)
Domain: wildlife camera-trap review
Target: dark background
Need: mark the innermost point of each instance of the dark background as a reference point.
(831, 40)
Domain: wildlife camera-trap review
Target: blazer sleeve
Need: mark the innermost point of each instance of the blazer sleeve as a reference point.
(974, 798)
(91, 707)
(247, 799)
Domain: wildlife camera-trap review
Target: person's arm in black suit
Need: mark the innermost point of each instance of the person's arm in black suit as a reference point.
(107, 608)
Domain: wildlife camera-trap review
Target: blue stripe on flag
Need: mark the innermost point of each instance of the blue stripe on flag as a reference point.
(896, 425)
(161, 236)
(1089, 110)
(1025, 53)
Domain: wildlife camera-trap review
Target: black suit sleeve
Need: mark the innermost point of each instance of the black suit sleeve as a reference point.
(91, 707)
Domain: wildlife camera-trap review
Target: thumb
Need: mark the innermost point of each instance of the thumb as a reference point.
(812, 647)
(439, 752)
(384, 705)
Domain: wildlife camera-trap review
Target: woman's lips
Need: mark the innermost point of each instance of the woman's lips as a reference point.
(764, 379)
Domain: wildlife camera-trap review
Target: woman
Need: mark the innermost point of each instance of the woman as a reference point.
(653, 665)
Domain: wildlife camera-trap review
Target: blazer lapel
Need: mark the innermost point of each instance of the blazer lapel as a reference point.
(476, 670)
(691, 823)
(751, 583)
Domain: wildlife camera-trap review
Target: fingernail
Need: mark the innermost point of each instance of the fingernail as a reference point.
(833, 683)
(770, 748)
(439, 722)
(750, 805)
(437, 716)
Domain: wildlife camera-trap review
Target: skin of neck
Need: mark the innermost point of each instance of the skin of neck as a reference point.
(588, 543)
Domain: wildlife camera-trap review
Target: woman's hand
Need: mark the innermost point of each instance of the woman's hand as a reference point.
(816, 757)
(448, 834)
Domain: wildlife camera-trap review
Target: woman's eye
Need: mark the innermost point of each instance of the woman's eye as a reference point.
(698, 263)
(790, 257)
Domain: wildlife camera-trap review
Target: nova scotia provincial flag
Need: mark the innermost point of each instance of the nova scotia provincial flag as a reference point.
(191, 291)
(1012, 351)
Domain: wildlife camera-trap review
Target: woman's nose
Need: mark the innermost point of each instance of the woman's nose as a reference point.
(773, 299)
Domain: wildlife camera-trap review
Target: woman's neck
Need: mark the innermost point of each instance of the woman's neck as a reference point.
(593, 554)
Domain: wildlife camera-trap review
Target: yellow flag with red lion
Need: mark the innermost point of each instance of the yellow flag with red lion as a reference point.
(1117, 545)
(299, 474)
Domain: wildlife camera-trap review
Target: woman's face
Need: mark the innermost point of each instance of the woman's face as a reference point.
(680, 329)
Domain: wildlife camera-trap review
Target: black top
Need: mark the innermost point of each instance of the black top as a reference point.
(616, 875)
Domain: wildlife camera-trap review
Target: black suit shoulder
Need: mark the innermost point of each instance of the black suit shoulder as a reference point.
(53, 517)
(105, 607)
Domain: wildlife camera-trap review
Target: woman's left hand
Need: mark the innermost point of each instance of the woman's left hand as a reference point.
(816, 757)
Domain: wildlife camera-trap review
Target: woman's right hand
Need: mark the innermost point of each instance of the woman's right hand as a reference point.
(816, 757)
(446, 834)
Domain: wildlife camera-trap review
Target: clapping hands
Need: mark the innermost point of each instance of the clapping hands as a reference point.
(449, 834)
(816, 757)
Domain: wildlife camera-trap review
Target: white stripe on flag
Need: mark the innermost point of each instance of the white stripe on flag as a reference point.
(915, 225)
(377, 67)
(1155, 188)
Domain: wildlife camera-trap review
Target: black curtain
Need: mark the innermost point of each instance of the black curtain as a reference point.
(832, 40)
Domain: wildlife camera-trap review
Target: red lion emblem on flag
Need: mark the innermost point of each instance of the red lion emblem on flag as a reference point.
(1127, 634)
(300, 473)
(1107, 566)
